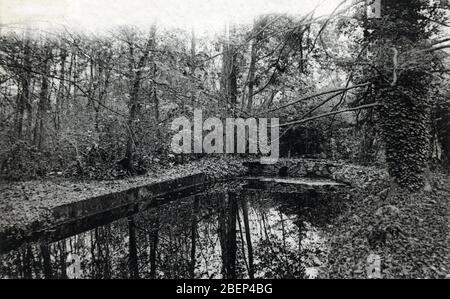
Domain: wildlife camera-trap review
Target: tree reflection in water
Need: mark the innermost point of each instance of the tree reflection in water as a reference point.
(227, 232)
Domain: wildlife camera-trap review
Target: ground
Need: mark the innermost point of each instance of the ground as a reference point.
(410, 233)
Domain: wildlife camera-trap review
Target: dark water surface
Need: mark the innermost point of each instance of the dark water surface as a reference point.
(232, 230)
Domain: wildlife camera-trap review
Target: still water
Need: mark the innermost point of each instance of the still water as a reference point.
(232, 230)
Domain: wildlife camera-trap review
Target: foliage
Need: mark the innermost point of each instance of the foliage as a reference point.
(400, 67)
(408, 231)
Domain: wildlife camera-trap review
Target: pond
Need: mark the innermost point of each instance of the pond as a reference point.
(237, 229)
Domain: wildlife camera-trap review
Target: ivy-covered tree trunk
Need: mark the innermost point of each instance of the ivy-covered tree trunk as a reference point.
(402, 86)
(405, 124)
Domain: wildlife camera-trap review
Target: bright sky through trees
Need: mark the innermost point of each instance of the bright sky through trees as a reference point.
(203, 15)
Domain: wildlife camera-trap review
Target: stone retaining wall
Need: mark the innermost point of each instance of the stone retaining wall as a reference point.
(295, 168)
(83, 215)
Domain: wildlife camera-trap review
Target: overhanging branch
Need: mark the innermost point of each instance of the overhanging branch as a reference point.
(328, 114)
(313, 96)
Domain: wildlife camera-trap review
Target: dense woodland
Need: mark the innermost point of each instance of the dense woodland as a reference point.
(346, 86)
(363, 94)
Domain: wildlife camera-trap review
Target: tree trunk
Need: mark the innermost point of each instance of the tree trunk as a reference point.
(43, 105)
(251, 72)
(135, 105)
(61, 91)
(23, 100)
(132, 245)
(231, 236)
(405, 113)
(194, 236)
(154, 236)
(229, 73)
(248, 239)
(47, 266)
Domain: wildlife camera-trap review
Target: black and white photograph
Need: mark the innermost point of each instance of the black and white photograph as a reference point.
(224, 145)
